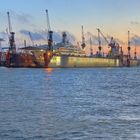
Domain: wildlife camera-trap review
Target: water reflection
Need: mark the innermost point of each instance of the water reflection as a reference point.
(49, 70)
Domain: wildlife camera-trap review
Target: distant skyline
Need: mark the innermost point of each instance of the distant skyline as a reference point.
(113, 17)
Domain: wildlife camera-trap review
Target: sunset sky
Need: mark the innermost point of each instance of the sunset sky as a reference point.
(113, 17)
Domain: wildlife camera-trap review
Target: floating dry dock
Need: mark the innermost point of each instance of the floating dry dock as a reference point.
(65, 55)
(72, 62)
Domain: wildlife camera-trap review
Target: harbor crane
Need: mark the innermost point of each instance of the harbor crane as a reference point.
(83, 39)
(99, 40)
(12, 48)
(113, 44)
(49, 31)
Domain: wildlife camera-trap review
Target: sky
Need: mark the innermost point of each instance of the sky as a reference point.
(113, 17)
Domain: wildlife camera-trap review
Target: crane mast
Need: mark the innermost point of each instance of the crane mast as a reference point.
(135, 53)
(83, 39)
(9, 23)
(50, 32)
(100, 33)
(91, 50)
(12, 48)
(129, 48)
(99, 41)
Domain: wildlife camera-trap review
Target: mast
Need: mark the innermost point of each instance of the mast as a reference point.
(83, 38)
(50, 32)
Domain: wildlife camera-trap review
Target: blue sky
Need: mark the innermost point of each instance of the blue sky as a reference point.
(114, 17)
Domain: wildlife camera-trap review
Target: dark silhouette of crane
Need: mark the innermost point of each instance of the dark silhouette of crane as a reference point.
(113, 44)
(135, 52)
(49, 31)
(83, 38)
(129, 45)
(12, 48)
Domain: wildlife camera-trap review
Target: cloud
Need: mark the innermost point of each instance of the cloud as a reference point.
(135, 23)
(94, 39)
(20, 17)
(42, 35)
(135, 40)
(24, 18)
(35, 35)
(89, 37)
(3, 35)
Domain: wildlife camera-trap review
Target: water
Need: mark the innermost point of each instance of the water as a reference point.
(70, 104)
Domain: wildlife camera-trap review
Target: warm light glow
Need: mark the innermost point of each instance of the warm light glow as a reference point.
(49, 70)
(49, 54)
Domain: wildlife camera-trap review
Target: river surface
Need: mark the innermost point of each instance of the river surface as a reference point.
(70, 104)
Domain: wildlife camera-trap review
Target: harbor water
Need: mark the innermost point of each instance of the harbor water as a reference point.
(70, 104)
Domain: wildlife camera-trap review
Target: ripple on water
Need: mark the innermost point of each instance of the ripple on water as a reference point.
(69, 104)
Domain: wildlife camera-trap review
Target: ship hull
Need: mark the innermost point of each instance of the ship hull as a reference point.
(81, 62)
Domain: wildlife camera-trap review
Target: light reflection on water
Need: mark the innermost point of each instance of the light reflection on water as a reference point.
(49, 70)
(70, 104)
